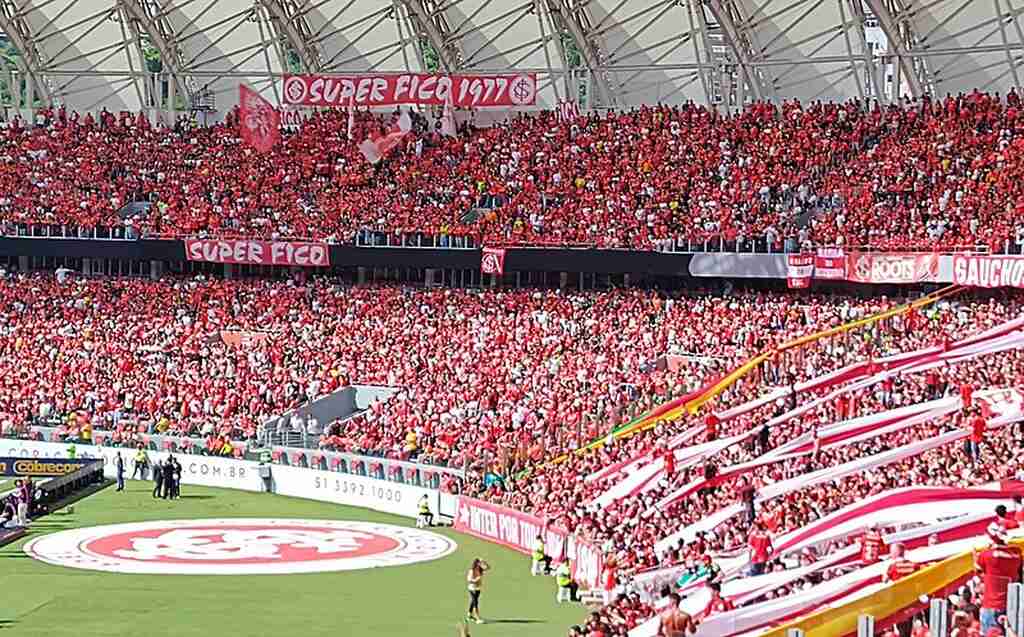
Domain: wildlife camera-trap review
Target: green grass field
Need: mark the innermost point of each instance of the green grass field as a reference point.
(425, 599)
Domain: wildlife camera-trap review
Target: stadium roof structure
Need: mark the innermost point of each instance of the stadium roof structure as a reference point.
(173, 54)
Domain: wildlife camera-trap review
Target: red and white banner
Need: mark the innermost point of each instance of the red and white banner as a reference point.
(799, 270)
(258, 252)
(259, 122)
(518, 531)
(830, 263)
(492, 261)
(988, 272)
(470, 91)
(567, 111)
(865, 267)
(641, 470)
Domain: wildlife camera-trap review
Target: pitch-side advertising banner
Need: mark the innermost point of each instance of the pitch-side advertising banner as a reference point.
(324, 486)
(519, 89)
(258, 252)
(988, 271)
(865, 267)
(518, 531)
(41, 467)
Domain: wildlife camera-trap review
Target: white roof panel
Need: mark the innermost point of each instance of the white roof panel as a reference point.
(90, 50)
(662, 34)
(361, 35)
(956, 25)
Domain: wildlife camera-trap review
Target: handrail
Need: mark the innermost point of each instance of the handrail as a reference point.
(462, 240)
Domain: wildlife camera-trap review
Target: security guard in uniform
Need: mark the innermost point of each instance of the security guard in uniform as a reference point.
(426, 518)
(541, 564)
(566, 587)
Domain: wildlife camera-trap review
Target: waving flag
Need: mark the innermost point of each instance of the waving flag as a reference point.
(376, 149)
(448, 118)
(259, 122)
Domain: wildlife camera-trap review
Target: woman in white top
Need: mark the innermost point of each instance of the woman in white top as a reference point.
(475, 582)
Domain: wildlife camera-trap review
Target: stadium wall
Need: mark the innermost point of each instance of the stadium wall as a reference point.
(573, 260)
(325, 486)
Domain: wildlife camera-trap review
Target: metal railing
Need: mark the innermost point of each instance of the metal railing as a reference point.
(371, 238)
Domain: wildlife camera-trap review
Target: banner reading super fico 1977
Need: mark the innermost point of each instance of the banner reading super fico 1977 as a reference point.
(518, 89)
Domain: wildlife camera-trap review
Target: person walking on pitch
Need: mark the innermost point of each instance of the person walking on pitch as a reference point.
(475, 581)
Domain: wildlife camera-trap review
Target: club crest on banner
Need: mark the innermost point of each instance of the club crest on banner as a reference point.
(492, 261)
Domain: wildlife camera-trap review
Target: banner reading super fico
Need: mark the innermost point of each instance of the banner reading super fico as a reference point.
(258, 252)
(411, 88)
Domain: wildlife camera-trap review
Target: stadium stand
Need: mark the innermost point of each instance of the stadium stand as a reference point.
(895, 177)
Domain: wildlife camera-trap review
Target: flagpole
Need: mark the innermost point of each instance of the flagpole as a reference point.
(351, 114)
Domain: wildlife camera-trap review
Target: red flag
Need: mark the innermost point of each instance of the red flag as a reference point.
(259, 121)
(376, 149)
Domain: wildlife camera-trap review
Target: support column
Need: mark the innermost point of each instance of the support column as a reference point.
(563, 280)
(23, 264)
(87, 266)
(361, 275)
(156, 270)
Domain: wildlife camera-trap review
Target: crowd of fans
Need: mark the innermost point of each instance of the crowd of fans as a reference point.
(628, 528)
(629, 531)
(850, 174)
(509, 376)
(496, 381)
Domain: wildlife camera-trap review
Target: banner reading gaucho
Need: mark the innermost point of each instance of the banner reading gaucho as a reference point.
(243, 251)
(982, 271)
(474, 91)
